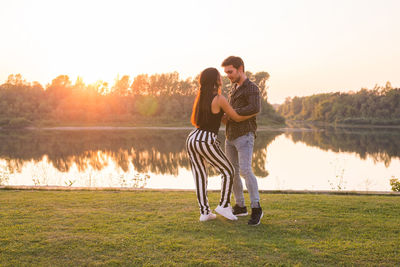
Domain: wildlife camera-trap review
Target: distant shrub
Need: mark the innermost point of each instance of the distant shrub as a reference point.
(278, 118)
(47, 122)
(368, 121)
(360, 121)
(4, 122)
(395, 183)
(18, 122)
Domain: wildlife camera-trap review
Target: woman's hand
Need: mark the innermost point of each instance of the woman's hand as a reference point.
(229, 111)
(224, 119)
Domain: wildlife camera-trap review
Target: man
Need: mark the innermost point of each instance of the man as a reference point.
(245, 99)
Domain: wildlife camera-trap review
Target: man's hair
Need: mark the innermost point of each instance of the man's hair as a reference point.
(236, 62)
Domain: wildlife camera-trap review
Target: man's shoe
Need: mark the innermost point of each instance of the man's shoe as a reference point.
(239, 211)
(256, 215)
(207, 217)
(226, 212)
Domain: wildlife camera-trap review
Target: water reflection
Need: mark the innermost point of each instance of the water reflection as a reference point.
(155, 151)
(128, 158)
(150, 151)
(381, 145)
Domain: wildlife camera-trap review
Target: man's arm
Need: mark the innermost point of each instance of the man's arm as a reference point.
(253, 107)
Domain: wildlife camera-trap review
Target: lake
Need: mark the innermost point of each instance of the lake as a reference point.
(316, 158)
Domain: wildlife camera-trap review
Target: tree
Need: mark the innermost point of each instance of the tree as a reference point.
(140, 85)
(261, 78)
(59, 88)
(121, 86)
(16, 80)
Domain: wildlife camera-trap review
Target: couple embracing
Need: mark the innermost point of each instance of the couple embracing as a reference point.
(238, 113)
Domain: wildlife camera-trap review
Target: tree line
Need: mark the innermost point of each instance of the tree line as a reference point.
(378, 106)
(158, 98)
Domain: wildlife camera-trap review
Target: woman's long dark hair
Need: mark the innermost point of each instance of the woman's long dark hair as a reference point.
(209, 84)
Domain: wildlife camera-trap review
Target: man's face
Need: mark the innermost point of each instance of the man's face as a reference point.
(232, 73)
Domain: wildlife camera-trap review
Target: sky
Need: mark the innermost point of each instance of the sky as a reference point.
(307, 46)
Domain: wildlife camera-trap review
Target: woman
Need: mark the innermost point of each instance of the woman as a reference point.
(202, 144)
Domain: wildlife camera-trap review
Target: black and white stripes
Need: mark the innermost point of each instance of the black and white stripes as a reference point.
(203, 146)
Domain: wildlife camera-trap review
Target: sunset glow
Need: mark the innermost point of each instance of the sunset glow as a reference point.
(307, 46)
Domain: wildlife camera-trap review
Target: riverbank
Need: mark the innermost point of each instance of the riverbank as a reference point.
(69, 228)
(313, 124)
(79, 128)
(290, 126)
(312, 192)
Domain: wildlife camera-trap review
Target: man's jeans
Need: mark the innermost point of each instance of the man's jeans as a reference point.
(240, 151)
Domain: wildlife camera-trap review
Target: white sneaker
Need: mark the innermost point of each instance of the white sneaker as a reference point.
(207, 217)
(226, 212)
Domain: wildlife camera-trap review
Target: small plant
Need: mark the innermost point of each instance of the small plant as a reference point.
(36, 181)
(4, 175)
(18, 123)
(69, 183)
(339, 181)
(395, 183)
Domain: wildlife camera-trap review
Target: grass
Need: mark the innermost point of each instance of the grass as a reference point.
(152, 228)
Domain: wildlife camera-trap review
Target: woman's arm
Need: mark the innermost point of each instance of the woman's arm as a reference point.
(227, 108)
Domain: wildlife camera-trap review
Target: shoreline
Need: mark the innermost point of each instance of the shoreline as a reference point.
(78, 128)
(290, 126)
(286, 128)
(312, 192)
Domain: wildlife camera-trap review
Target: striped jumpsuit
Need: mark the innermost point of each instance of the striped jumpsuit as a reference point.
(202, 146)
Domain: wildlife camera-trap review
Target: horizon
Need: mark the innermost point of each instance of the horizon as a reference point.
(308, 47)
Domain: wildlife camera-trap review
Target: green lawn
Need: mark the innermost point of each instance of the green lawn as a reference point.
(69, 228)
